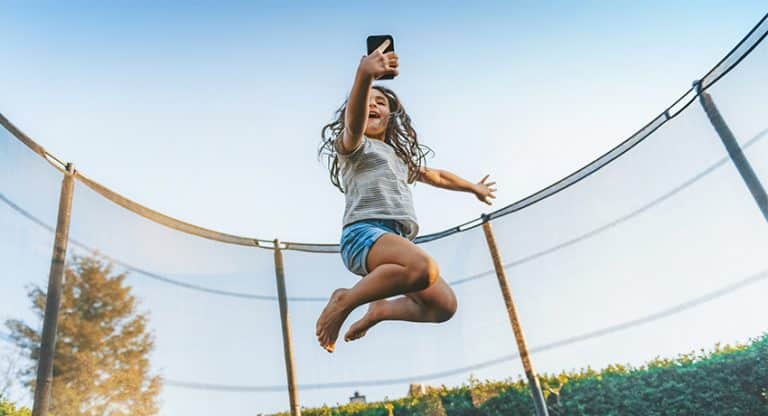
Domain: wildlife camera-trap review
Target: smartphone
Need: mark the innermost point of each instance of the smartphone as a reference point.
(374, 41)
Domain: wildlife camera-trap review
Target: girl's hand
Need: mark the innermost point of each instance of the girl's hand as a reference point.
(483, 191)
(378, 63)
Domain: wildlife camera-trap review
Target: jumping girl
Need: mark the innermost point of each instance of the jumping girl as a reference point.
(374, 149)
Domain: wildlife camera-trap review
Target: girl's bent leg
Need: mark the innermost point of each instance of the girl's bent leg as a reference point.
(434, 304)
(397, 266)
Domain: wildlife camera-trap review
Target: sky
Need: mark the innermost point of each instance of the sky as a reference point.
(211, 112)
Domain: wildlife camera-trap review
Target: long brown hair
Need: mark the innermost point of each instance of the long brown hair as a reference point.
(400, 135)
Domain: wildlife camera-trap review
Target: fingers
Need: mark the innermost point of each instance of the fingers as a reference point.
(387, 63)
(487, 195)
(390, 60)
(384, 45)
(391, 65)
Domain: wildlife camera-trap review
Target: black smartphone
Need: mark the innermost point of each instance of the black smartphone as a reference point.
(374, 41)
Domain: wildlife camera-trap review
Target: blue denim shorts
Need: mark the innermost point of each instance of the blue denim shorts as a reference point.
(358, 238)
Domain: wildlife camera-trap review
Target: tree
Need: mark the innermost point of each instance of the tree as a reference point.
(9, 409)
(101, 362)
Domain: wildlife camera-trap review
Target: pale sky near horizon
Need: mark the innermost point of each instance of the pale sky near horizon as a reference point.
(211, 113)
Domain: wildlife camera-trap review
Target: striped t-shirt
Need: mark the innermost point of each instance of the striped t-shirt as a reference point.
(376, 186)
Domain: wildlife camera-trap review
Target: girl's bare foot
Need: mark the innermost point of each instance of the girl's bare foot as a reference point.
(371, 318)
(330, 320)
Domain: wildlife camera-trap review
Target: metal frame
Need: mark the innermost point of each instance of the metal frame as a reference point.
(53, 297)
(533, 381)
(737, 156)
(293, 392)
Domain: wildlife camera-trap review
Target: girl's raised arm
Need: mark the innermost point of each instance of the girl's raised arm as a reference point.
(371, 67)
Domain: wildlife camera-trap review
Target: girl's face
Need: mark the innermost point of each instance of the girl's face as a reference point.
(378, 115)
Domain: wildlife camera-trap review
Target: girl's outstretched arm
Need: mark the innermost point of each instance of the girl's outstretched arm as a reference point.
(446, 180)
(371, 67)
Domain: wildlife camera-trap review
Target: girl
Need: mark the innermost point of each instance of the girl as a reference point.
(375, 149)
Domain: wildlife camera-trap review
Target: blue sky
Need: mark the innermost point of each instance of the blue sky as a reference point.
(243, 90)
(211, 112)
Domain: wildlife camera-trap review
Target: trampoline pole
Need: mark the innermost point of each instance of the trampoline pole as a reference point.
(293, 393)
(533, 380)
(53, 297)
(734, 151)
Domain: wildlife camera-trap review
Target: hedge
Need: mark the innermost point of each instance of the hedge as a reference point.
(729, 380)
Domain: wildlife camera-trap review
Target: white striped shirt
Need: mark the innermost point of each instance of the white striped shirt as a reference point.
(376, 186)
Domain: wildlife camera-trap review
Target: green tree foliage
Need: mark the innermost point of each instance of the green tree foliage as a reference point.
(101, 363)
(9, 409)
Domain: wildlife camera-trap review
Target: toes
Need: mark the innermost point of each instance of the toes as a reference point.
(326, 341)
(357, 331)
(352, 334)
(352, 337)
(322, 339)
(348, 335)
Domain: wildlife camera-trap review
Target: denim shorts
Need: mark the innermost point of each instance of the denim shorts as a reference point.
(358, 238)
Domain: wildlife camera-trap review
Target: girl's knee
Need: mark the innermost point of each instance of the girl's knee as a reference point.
(423, 272)
(446, 310)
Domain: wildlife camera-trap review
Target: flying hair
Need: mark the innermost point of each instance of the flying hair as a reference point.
(400, 135)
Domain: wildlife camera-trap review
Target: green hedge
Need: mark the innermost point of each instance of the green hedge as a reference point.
(730, 380)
